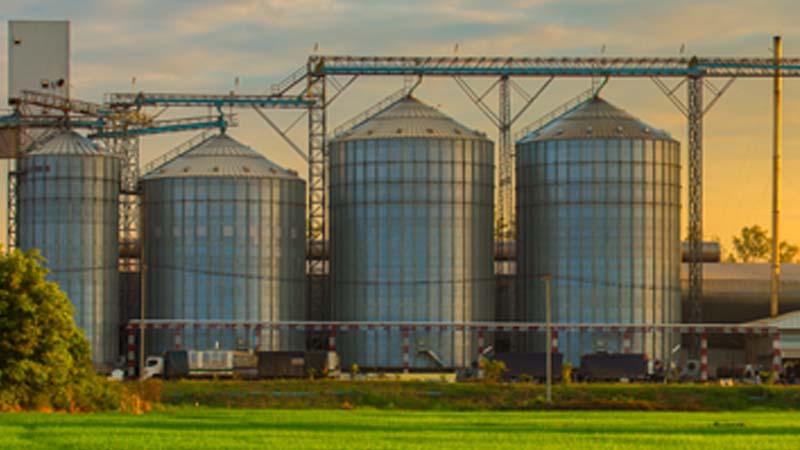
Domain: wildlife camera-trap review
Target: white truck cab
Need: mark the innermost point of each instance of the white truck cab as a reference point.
(153, 367)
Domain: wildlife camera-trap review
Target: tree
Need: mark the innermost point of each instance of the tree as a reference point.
(44, 357)
(788, 252)
(754, 245)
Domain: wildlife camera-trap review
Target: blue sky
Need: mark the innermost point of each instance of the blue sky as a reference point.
(180, 45)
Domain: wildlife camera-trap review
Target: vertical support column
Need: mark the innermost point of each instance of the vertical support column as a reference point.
(131, 354)
(704, 356)
(481, 336)
(626, 341)
(777, 130)
(258, 337)
(554, 342)
(177, 337)
(406, 349)
(317, 188)
(776, 355)
(505, 147)
(127, 148)
(11, 225)
(695, 138)
(332, 339)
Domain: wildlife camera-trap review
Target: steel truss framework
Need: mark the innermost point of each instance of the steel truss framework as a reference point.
(321, 71)
(694, 72)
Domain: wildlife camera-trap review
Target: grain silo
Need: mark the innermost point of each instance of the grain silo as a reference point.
(68, 209)
(411, 207)
(599, 210)
(224, 241)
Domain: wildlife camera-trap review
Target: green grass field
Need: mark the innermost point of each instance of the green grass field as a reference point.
(199, 428)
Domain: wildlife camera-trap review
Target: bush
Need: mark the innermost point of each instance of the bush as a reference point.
(566, 374)
(139, 397)
(44, 357)
(493, 370)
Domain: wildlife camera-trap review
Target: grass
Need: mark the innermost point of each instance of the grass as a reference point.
(200, 428)
(328, 394)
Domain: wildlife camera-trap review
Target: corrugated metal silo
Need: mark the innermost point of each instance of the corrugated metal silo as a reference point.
(68, 209)
(599, 210)
(411, 203)
(224, 240)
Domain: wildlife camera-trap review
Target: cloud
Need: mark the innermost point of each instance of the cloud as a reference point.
(181, 45)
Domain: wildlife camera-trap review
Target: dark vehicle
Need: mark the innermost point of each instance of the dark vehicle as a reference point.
(176, 364)
(613, 367)
(290, 364)
(533, 365)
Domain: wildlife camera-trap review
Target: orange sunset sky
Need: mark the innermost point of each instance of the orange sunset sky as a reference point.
(178, 46)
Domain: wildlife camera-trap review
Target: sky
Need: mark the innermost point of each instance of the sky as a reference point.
(203, 46)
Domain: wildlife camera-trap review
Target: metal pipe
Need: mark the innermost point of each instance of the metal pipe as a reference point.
(143, 291)
(777, 125)
(549, 342)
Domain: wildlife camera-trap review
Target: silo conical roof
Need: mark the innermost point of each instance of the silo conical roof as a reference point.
(67, 142)
(220, 156)
(596, 119)
(410, 118)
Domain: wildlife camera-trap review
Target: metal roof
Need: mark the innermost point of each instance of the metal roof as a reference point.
(220, 156)
(410, 118)
(750, 272)
(596, 119)
(67, 142)
(784, 321)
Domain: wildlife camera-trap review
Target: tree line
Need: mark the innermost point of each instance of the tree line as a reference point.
(753, 244)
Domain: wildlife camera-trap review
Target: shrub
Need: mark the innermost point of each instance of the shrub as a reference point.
(493, 370)
(566, 374)
(44, 357)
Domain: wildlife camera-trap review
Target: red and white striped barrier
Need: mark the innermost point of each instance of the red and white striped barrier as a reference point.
(258, 338)
(177, 338)
(332, 339)
(481, 332)
(406, 349)
(776, 355)
(131, 351)
(626, 342)
(457, 326)
(703, 357)
(554, 342)
(479, 328)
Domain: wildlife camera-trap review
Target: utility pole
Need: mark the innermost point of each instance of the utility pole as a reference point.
(777, 125)
(549, 341)
(142, 300)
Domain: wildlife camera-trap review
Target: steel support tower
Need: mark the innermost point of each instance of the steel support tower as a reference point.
(693, 72)
(695, 144)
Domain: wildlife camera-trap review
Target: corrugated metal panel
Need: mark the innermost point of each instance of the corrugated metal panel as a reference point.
(602, 217)
(68, 209)
(220, 156)
(411, 237)
(67, 143)
(736, 293)
(222, 246)
(410, 118)
(597, 119)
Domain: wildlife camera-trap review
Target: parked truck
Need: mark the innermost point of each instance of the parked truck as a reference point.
(200, 363)
(176, 364)
(613, 367)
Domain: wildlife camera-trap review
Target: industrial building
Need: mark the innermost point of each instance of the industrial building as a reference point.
(389, 253)
(412, 196)
(223, 240)
(598, 210)
(68, 210)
